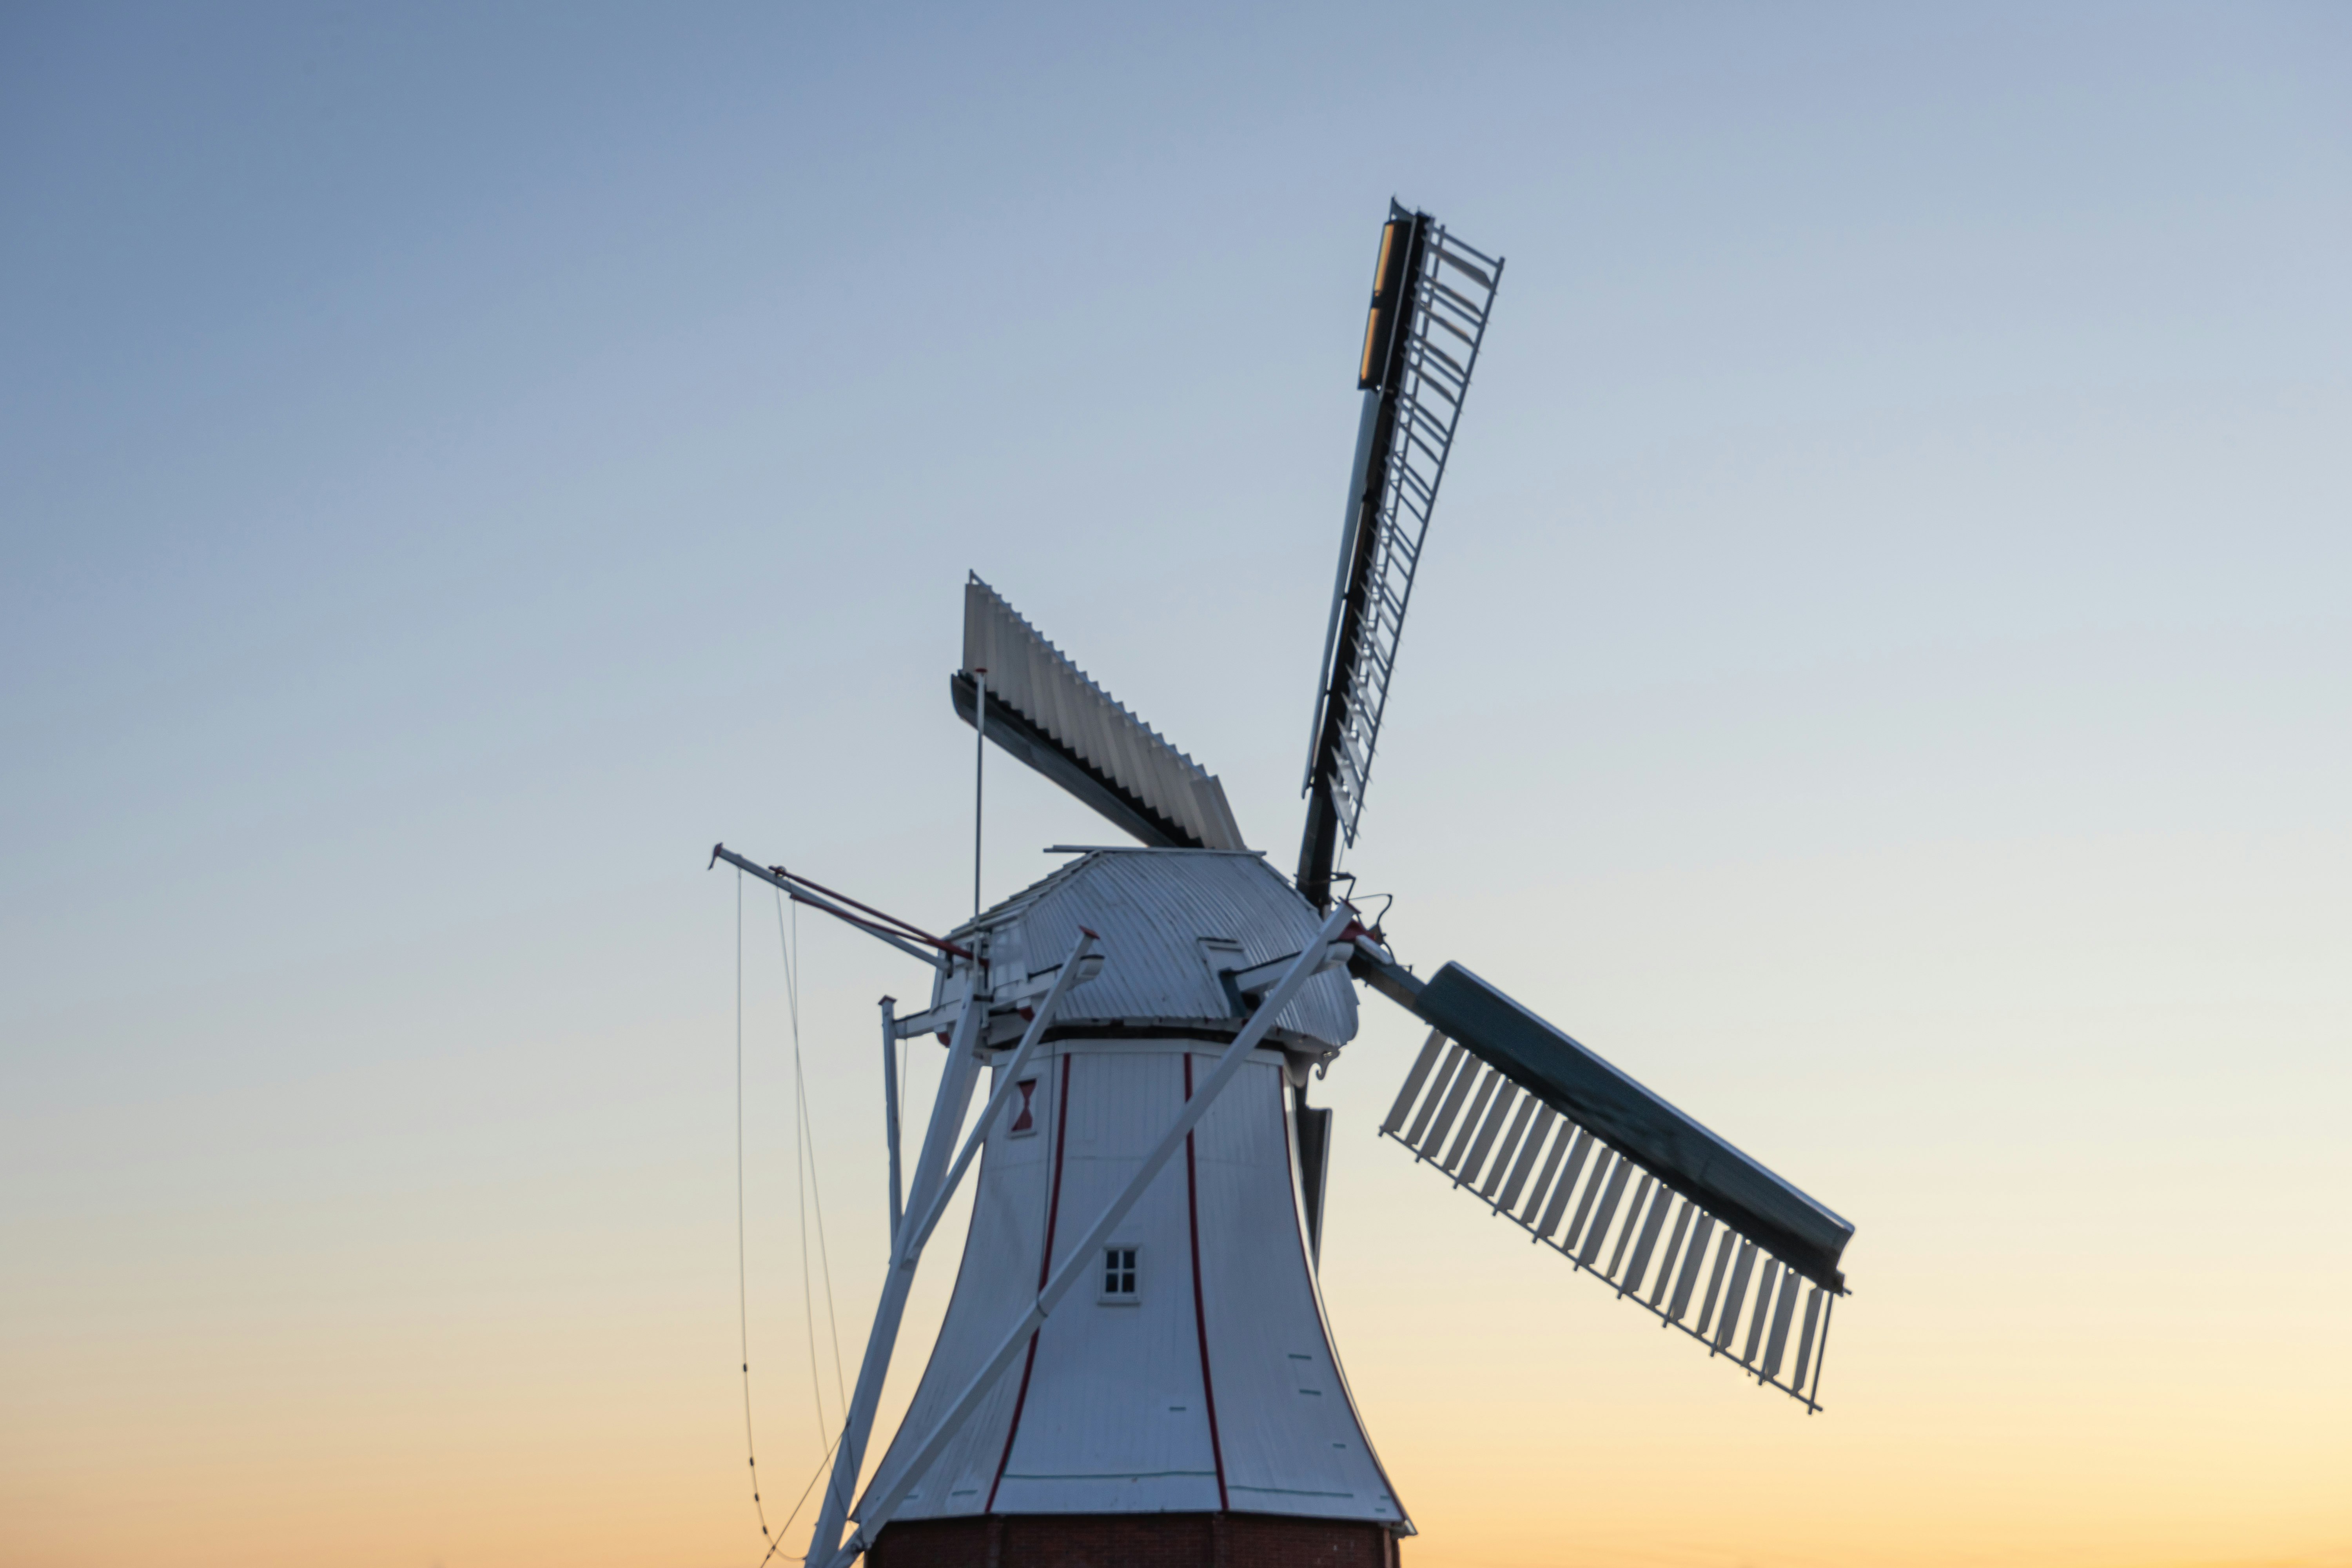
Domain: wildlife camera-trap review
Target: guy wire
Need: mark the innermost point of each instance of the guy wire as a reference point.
(810, 1189)
(742, 1289)
(777, 1541)
(816, 1186)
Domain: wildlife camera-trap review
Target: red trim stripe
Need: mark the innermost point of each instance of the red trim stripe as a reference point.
(1044, 1272)
(1200, 1312)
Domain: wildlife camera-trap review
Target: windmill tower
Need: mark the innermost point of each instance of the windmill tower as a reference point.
(1135, 1364)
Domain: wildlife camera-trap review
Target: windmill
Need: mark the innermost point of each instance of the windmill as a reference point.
(1135, 1363)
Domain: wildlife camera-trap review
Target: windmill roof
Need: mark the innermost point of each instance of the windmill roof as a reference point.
(1162, 916)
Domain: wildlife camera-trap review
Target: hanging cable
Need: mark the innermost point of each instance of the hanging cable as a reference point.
(742, 1285)
(800, 1175)
(816, 1186)
(811, 1194)
(809, 1189)
(776, 1542)
(776, 1535)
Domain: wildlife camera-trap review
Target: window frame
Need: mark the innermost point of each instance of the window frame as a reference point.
(1131, 1271)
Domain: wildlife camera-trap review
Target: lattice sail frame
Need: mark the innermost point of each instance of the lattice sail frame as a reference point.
(1525, 1160)
(1429, 394)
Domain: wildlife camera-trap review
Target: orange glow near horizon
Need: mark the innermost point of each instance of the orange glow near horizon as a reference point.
(1880, 676)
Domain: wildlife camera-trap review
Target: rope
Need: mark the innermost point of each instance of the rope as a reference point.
(811, 1195)
(810, 1189)
(816, 1187)
(742, 1271)
(777, 1541)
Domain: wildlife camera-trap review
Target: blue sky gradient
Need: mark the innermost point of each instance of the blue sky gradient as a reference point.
(1882, 675)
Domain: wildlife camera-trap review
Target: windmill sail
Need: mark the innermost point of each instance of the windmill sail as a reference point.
(1430, 298)
(1616, 1179)
(1042, 710)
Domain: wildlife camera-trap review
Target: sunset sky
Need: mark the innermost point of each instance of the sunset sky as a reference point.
(1882, 675)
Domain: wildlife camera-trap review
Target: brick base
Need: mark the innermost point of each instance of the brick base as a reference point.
(1134, 1541)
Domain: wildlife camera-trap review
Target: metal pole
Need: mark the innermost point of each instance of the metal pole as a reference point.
(979, 774)
(890, 1109)
(793, 891)
(1084, 1258)
(947, 1120)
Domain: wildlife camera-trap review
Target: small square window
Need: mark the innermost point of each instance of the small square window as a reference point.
(1120, 1276)
(1024, 1120)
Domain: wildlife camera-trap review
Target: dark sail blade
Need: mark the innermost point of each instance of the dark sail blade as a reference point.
(1780, 1234)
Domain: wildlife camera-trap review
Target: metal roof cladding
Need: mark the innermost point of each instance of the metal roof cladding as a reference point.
(1164, 916)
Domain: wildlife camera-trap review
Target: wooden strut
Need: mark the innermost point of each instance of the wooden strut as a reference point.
(890, 1107)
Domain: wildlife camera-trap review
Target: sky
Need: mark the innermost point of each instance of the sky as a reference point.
(1880, 676)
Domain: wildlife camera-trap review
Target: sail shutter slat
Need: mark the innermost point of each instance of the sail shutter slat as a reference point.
(1464, 1083)
(1504, 1155)
(1659, 1138)
(1566, 1187)
(1536, 1194)
(1492, 1130)
(1805, 1340)
(1693, 1262)
(1529, 1151)
(1782, 1312)
(1674, 1246)
(1420, 1074)
(1663, 1201)
(1765, 1288)
(1724, 1252)
(1038, 682)
(1736, 1295)
(1455, 1056)
(1472, 1126)
(1632, 1218)
(1609, 1197)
